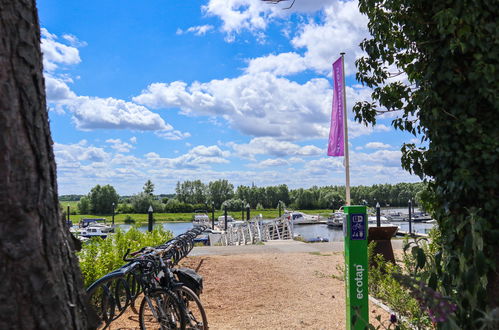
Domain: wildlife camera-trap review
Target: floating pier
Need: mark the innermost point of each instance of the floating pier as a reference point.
(256, 231)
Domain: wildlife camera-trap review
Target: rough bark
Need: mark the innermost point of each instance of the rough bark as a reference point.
(41, 286)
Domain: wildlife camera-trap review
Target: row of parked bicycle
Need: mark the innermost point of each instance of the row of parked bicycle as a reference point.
(170, 295)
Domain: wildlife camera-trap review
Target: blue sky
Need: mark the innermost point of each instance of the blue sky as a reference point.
(216, 89)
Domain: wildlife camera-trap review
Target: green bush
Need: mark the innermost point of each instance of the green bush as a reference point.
(101, 256)
(128, 220)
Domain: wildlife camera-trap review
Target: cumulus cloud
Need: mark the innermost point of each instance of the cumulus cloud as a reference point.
(78, 152)
(269, 163)
(173, 134)
(56, 53)
(254, 16)
(93, 112)
(259, 104)
(200, 30)
(280, 65)
(119, 145)
(110, 113)
(57, 90)
(273, 147)
(256, 105)
(342, 29)
(377, 145)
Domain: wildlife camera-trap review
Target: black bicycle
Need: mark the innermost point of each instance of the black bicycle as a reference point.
(181, 283)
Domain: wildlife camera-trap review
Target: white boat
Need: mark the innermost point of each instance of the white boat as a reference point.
(200, 218)
(335, 220)
(94, 228)
(300, 218)
(395, 216)
(384, 222)
(221, 220)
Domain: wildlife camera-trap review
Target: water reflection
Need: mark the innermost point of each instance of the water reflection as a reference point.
(176, 228)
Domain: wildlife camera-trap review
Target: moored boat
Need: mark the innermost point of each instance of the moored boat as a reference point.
(300, 218)
(200, 218)
(94, 228)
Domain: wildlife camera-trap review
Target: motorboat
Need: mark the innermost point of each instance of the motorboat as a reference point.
(200, 218)
(94, 228)
(336, 220)
(384, 222)
(395, 216)
(300, 218)
(221, 220)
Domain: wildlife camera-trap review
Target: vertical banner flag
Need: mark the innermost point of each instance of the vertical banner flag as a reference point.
(336, 143)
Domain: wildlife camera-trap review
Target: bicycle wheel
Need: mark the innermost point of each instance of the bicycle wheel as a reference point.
(196, 316)
(160, 309)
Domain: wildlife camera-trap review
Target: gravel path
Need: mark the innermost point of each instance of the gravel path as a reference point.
(271, 286)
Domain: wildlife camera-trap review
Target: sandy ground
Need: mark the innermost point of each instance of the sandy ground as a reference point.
(269, 291)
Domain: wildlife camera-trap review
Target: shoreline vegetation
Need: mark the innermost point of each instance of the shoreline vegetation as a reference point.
(178, 217)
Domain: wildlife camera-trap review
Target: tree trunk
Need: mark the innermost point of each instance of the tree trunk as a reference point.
(41, 285)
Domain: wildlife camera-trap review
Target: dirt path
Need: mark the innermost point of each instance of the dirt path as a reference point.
(270, 291)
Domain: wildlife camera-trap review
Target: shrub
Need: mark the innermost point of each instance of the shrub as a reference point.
(101, 256)
(128, 220)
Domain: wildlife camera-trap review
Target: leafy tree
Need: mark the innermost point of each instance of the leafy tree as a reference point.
(445, 55)
(193, 192)
(220, 191)
(148, 187)
(101, 199)
(84, 205)
(142, 201)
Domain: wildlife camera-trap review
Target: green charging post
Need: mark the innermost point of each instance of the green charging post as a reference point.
(356, 267)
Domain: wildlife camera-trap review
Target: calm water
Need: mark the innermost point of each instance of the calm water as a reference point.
(336, 234)
(306, 231)
(176, 228)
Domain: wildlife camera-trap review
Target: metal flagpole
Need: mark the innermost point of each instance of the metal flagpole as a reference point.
(345, 136)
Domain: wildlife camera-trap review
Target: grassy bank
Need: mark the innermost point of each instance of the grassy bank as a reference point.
(172, 217)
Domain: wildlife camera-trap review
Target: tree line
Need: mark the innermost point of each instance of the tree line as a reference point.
(194, 195)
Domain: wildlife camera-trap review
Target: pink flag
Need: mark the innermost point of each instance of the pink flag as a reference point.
(336, 146)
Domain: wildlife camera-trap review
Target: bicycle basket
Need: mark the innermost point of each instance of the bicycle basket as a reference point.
(191, 279)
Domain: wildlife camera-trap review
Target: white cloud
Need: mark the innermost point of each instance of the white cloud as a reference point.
(79, 152)
(269, 163)
(255, 105)
(173, 134)
(55, 53)
(377, 145)
(73, 40)
(133, 139)
(119, 145)
(280, 64)
(342, 29)
(110, 113)
(93, 112)
(57, 90)
(260, 104)
(254, 16)
(273, 147)
(196, 30)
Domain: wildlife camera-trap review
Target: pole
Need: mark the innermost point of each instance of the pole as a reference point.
(345, 120)
(378, 215)
(113, 214)
(279, 209)
(242, 211)
(410, 217)
(247, 211)
(212, 215)
(149, 212)
(225, 215)
(68, 214)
